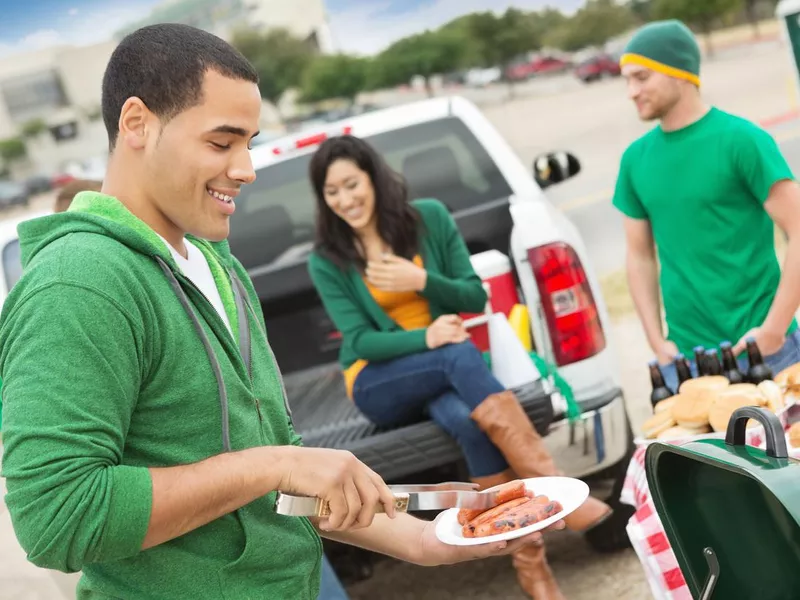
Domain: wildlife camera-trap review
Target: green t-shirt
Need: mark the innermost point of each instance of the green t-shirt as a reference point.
(703, 190)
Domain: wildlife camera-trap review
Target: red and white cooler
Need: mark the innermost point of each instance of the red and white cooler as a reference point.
(495, 270)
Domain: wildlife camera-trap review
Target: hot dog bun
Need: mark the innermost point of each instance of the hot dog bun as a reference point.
(691, 410)
(704, 383)
(773, 395)
(726, 403)
(661, 421)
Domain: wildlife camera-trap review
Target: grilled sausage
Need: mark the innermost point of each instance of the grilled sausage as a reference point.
(507, 492)
(524, 515)
(492, 514)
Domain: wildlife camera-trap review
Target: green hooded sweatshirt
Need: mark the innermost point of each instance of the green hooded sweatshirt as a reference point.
(105, 373)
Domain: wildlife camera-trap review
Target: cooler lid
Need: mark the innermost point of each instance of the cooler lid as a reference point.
(731, 511)
(490, 263)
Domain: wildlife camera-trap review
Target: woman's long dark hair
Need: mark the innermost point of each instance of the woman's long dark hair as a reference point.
(397, 220)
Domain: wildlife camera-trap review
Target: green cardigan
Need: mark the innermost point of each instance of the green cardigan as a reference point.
(367, 331)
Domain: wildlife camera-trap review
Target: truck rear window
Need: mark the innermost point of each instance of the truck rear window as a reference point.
(274, 219)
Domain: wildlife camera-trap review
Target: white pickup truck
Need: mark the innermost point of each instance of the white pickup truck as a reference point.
(446, 149)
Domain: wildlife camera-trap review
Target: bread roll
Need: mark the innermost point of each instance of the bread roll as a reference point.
(746, 392)
(720, 414)
(658, 423)
(704, 383)
(665, 404)
(691, 410)
(794, 435)
(773, 395)
(789, 377)
(676, 433)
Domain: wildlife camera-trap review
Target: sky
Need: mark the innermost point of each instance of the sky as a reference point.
(358, 26)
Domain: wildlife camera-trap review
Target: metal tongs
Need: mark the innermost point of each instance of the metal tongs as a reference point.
(408, 498)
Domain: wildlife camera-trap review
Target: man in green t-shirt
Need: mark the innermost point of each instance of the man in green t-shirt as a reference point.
(700, 194)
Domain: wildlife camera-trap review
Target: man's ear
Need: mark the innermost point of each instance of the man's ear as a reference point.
(136, 123)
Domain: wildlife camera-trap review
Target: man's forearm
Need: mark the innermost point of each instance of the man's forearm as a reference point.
(787, 297)
(190, 496)
(399, 537)
(643, 284)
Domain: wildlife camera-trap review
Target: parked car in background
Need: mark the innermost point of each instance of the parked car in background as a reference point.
(483, 77)
(597, 67)
(13, 193)
(540, 65)
(38, 184)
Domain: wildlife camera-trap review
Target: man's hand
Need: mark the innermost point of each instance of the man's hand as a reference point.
(352, 490)
(447, 329)
(396, 274)
(433, 552)
(666, 351)
(769, 342)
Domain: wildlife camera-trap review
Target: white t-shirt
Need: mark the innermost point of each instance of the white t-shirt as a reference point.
(197, 270)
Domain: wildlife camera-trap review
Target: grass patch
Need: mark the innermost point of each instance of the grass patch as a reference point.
(614, 287)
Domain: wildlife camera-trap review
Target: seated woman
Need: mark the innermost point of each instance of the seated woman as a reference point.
(393, 276)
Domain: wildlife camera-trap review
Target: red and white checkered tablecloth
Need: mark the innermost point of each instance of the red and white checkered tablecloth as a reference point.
(645, 530)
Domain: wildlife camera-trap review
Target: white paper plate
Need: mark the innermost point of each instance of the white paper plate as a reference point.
(571, 493)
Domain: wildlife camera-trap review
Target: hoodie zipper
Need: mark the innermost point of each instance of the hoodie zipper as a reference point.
(251, 386)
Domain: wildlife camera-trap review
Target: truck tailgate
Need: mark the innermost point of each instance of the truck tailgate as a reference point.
(326, 418)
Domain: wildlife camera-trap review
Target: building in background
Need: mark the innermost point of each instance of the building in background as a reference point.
(52, 98)
(56, 92)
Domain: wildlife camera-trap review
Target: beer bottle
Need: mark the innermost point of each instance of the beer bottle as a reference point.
(700, 360)
(713, 365)
(758, 370)
(660, 390)
(683, 369)
(730, 368)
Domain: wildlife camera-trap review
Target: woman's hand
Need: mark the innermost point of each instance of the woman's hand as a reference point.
(396, 274)
(447, 329)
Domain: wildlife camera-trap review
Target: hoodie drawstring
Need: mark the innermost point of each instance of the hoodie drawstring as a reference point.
(215, 366)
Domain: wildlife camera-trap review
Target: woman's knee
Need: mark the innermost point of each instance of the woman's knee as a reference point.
(464, 352)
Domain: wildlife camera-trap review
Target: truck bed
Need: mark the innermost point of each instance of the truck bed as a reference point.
(326, 418)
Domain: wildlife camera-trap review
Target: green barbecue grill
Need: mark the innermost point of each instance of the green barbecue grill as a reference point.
(731, 512)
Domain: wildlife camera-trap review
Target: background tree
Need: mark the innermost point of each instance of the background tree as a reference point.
(592, 25)
(336, 76)
(497, 41)
(425, 54)
(279, 58)
(702, 15)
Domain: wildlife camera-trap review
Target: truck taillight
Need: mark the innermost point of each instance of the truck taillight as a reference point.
(568, 302)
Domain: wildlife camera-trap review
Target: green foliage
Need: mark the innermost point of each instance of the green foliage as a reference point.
(279, 58)
(592, 25)
(425, 54)
(12, 149)
(696, 14)
(33, 128)
(337, 76)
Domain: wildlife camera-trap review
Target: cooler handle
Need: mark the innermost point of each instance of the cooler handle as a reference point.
(776, 438)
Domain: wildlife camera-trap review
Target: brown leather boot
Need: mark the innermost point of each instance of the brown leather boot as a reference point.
(534, 574)
(503, 419)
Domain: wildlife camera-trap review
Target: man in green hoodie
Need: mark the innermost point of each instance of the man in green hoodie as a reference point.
(146, 428)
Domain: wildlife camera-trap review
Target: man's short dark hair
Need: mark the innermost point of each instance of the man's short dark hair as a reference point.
(164, 65)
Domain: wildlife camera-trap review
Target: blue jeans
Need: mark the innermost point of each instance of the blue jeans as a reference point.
(448, 383)
(330, 588)
(788, 355)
